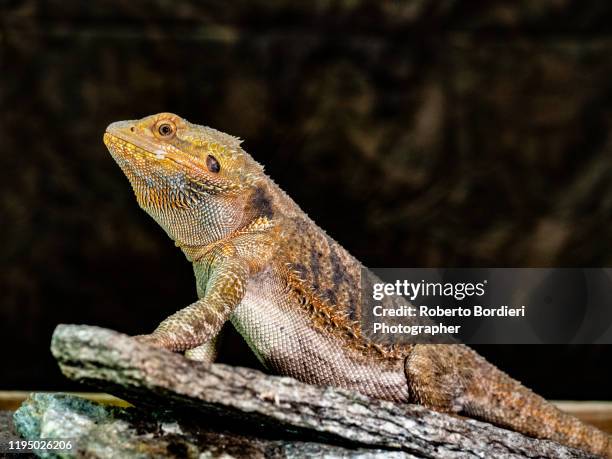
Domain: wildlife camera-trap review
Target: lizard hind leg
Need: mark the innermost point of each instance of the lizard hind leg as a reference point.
(435, 381)
(453, 378)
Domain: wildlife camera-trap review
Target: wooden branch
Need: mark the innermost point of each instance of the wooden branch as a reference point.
(101, 431)
(253, 403)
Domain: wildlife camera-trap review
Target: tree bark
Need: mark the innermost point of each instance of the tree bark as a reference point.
(252, 403)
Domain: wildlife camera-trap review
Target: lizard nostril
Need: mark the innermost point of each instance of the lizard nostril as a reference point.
(132, 129)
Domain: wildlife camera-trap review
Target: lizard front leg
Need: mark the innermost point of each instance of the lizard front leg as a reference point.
(206, 352)
(226, 277)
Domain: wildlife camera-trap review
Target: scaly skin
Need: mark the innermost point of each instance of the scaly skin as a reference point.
(292, 291)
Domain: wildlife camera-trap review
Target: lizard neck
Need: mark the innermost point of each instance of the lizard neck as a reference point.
(257, 226)
(194, 253)
(264, 206)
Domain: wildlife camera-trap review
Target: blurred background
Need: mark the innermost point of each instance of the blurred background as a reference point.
(420, 134)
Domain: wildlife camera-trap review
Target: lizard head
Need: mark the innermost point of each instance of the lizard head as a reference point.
(191, 179)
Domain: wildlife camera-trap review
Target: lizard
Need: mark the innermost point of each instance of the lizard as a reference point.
(293, 292)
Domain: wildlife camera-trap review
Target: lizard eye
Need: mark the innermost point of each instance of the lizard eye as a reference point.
(212, 164)
(166, 129)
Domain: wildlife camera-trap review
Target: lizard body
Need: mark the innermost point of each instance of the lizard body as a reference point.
(292, 291)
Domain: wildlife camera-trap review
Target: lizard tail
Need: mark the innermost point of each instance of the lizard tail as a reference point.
(454, 378)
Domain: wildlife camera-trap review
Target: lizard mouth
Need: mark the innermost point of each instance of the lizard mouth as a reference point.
(133, 144)
(133, 152)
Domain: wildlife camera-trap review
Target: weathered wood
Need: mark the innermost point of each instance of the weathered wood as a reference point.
(277, 406)
(597, 413)
(104, 431)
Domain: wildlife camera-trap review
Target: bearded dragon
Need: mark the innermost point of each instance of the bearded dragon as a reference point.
(293, 292)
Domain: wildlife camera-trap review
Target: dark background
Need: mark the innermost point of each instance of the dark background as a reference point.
(421, 134)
